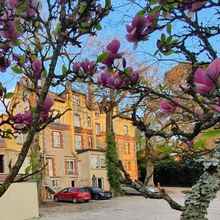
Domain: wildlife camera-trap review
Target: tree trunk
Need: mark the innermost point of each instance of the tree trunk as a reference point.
(204, 191)
(21, 157)
(149, 178)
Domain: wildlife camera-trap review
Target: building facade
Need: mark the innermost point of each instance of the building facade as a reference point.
(72, 147)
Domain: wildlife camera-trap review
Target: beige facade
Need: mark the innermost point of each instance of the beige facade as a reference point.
(73, 147)
(93, 169)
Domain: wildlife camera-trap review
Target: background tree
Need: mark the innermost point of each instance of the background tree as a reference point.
(193, 106)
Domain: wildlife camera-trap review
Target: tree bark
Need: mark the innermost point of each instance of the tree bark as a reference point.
(21, 157)
(204, 191)
(149, 178)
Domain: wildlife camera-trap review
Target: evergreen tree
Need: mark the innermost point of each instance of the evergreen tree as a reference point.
(113, 171)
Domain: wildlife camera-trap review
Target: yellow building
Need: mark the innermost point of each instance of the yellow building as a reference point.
(73, 147)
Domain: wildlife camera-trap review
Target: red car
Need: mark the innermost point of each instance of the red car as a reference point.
(73, 194)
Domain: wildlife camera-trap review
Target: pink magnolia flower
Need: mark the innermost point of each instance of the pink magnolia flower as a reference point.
(37, 68)
(213, 69)
(88, 66)
(48, 103)
(203, 83)
(167, 106)
(197, 5)
(216, 106)
(103, 77)
(32, 8)
(12, 3)
(139, 28)
(23, 118)
(9, 31)
(27, 118)
(113, 46)
(135, 77)
(4, 63)
(112, 52)
(76, 67)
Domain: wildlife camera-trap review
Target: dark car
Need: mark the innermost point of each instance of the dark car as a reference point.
(73, 194)
(97, 193)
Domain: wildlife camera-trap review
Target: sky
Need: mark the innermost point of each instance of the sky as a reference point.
(114, 26)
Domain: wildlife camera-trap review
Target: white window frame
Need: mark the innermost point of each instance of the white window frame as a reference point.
(77, 120)
(57, 139)
(78, 142)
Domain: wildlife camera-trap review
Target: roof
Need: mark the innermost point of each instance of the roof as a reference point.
(177, 74)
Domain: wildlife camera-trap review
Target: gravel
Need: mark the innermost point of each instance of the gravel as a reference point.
(122, 208)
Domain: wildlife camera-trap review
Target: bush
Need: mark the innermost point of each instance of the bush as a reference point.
(172, 173)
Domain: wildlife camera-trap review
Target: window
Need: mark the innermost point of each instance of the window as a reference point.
(98, 163)
(125, 130)
(126, 148)
(129, 165)
(77, 120)
(97, 114)
(55, 183)
(1, 163)
(69, 167)
(21, 138)
(90, 141)
(98, 128)
(78, 142)
(56, 139)
(76, 100)
(103, 163)
(50, 167)
(89, 124)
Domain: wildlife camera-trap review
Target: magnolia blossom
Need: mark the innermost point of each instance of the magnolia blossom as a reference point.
(48, 103)
(204, 80)
(112, 52)
(203, 83)
(139, 28)
(86, 66)
(118, 80)
(23, 118)
(37, 68)
(4, 63)
(12, 3)
(216, 106)
(193, 5)
(167, 106)
(9, 30)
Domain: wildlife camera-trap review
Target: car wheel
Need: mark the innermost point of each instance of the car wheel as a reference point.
(56, 199)
(74, 200)
(96, 197)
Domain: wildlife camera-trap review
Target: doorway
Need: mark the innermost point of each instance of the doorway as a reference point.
(100, 183)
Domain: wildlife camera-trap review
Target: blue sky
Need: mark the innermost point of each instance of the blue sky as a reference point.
(113, 26)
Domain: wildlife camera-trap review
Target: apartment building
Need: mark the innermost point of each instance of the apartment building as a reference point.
(73, 147)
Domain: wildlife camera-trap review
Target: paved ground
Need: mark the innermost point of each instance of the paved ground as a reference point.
(123, 208)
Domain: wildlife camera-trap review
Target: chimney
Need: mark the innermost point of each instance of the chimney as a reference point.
(90, 96)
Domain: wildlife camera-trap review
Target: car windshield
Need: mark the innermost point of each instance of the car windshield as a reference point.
(83, 190)
(97, 190)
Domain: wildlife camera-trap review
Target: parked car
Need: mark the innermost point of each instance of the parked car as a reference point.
(73, 194)
(98, 193)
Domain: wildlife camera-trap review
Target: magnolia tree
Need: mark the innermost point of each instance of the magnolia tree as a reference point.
(184, 31)
(37, 41)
